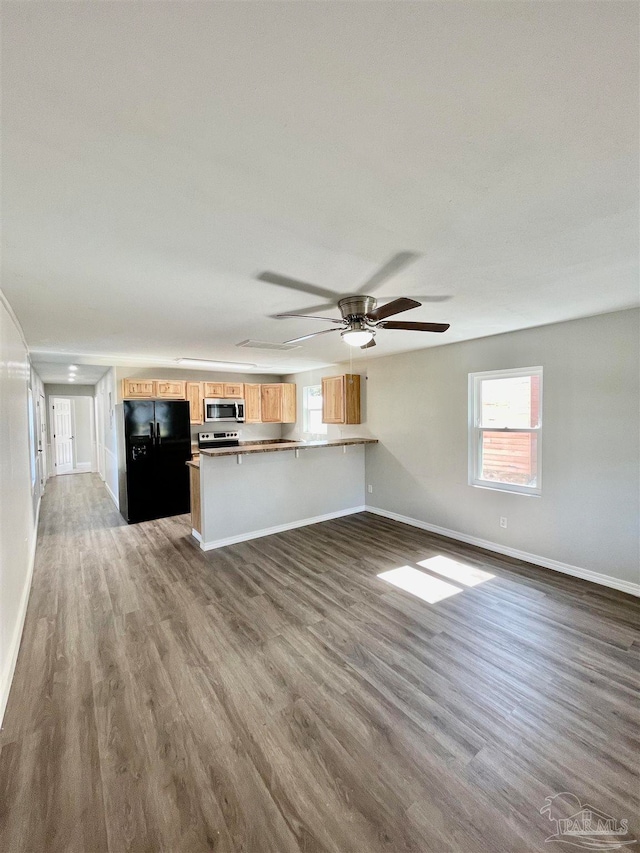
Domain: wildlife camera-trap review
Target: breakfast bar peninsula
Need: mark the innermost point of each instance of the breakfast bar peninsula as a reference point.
(259, 488)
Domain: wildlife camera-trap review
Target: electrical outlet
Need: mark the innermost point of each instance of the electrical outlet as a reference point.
(370, 489)
(503, 521)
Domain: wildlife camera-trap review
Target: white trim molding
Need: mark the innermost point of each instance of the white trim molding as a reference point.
(110, 493)
(6, 678)
(5, 302)
(279, 528)
(535, 559)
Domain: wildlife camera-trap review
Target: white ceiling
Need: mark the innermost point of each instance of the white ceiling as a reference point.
(54, 369)
(156, 156)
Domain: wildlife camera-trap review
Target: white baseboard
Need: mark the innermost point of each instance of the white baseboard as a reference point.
(10, 668)
(280, 528)
(196, 535)
(111, 495)
(564, 568)
(83, 467)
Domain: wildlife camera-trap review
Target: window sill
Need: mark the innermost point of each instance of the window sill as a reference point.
(529, 493)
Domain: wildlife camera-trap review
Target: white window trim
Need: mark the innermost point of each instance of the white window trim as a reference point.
(305, 411)
(475, 431)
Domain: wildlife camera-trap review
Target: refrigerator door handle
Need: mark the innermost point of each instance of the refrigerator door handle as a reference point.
(151, 429)
(158, 432)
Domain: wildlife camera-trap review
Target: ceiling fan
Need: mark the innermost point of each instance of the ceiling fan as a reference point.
(361, 315)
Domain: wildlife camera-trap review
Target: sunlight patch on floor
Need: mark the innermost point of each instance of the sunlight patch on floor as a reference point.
(467, 575)
(419, 583)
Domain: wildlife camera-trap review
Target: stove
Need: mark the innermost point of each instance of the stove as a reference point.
(211, 440)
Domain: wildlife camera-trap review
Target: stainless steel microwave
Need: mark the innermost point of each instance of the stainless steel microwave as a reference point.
(217, 410)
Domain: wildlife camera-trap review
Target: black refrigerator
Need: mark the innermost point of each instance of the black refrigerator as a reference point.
(157, 437)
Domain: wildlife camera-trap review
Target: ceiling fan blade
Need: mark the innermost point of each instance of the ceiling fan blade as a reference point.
(309, 317)
(312, 335)
(371, 343)
(391, 308)
(328, 306)
(419, 297)
(392, 266)
(325, 306)
(414, 327)
(295, 284)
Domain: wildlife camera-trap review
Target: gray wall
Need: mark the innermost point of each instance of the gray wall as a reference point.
(83, 430)
(314, 377)
(18, 497)
(69, 390)
(322, 481)
(587, 515)
(106, 433)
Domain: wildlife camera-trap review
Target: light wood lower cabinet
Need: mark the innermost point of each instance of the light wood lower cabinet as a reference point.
(278, 402)
(252, 404)
(341, 399)
(196, 402)
(196, 512)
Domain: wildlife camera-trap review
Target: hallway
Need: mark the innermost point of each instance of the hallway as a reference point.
(278, 696)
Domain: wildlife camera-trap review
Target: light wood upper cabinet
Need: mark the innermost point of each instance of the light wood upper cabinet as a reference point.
(289, 410)
(278, 402)
(170, 390)
(224, 390)
(196, 402)
(138, 389)
(214, 389)
(271, 399)
(252, 404)
(341, 399)
(232, 390)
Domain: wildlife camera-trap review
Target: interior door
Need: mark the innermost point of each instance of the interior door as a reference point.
(62, 435)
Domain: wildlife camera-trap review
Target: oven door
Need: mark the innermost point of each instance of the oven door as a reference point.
(220, 410)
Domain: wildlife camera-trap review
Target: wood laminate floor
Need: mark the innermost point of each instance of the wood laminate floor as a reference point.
(277, 696)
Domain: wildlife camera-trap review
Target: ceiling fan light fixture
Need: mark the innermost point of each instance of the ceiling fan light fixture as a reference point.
(357, 337)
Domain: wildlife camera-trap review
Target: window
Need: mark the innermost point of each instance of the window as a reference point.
(505, 430)
(312, 410)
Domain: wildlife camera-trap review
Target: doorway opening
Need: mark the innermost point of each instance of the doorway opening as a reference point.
(72, 435)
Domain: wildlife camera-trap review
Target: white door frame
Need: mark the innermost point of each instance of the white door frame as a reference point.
(84, 468)
(41, 440)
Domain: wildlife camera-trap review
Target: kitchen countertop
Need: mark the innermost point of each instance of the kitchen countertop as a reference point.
(277, 446)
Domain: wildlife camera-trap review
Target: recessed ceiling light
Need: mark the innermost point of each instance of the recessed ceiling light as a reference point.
(72, 367)
(204, 363)
(72, 379)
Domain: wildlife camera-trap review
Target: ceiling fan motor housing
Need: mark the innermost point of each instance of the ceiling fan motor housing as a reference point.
(355, 307)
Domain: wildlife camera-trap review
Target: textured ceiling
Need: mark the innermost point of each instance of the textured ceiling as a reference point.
(157, 156)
